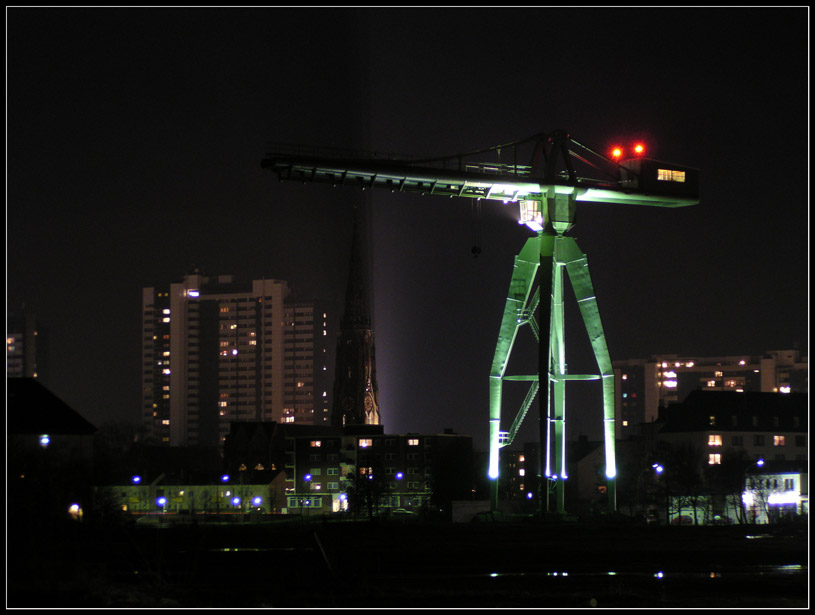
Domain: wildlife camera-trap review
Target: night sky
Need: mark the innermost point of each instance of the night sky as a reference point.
(135, 137)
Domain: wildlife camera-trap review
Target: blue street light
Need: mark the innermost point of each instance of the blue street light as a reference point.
(307, 477)
(45, 440)
(399, 476)
(658, 468)
(161, 501)
(236, 501)
(257, 500)
(225, 478)
(760, 463)
(136, 480)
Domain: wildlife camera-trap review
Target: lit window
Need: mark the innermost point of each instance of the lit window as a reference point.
(521, 472)
(714, 459)
(784, 389)
(779, 441)
(625, 376)
(718, 374)
(521, 458)
(365, 442)
(316, 443)
(670, 384)
(714, 440)
(413, 442)
(711, 384)
(165, 311)
(625, 423)
(670, 175)
(222, 404)
(165, 422)
(167, 319)
(689, 364)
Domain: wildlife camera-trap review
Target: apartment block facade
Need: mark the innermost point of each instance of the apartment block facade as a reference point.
(642, 386)
(215, 350)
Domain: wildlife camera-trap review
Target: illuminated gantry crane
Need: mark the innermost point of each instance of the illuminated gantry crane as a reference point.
(547, 191)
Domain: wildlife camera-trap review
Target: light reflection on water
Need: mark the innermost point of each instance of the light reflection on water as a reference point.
(661, 574)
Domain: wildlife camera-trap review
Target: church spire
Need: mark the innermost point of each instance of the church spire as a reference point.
(356, 393)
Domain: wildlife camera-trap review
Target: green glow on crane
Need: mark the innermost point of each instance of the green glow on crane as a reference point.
(547, 196)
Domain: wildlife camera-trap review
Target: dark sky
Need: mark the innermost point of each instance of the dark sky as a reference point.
(135, 137)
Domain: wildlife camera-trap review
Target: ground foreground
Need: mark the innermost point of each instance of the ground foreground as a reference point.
(531, 564)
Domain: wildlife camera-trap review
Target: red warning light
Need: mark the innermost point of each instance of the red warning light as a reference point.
(639, 149)
(617, 153)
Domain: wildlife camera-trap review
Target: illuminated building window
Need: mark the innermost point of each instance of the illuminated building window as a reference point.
(718, 374)
(625, 376)
(714, 440)
(714, 459)
(365, 442)
(784, 389)
(521, 472)
(413, 442)
(779, 441)
(165, 311)
(670, 384)
(522, 458)
(316, 443)
(222, 404)
(167, 319)
(625, 423)
(224, 309)
(165, 422)
(670, 175)
(711, 384)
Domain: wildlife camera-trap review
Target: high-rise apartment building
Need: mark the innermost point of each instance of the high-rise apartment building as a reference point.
(216, 350)
(25, 346)
(643, 385)
(307, 368)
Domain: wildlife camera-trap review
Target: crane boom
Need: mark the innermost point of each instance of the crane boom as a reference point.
(638, 181)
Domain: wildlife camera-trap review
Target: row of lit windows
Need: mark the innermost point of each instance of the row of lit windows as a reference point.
(758, 440)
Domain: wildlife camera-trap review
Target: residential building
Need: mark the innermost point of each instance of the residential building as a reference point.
(26, 354)
(216, 350)
(350, 468)
(49, 452)
(642, 386)
(308, 370)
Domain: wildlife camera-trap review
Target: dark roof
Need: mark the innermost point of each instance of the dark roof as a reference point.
(33, 409)
(734, 411)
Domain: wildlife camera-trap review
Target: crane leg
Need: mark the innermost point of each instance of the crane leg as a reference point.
(523, 278)
(569, 255)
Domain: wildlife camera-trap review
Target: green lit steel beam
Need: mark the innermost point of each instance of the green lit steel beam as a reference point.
(523, 278)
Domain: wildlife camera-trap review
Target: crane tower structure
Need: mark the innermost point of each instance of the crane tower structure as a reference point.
(546, 189)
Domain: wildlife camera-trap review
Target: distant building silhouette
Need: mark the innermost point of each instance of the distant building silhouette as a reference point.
(26, 346)
(356, 393)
